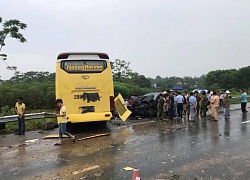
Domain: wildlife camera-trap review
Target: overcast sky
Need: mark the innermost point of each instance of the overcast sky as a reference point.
(166, 38)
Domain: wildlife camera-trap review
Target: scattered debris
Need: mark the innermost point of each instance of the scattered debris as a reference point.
(86, 169)
(128, 168)
(94, 136)
(51, 136)
(32, 141)
(175, 177)
(42, 132)
(97, 174)
(22, 145)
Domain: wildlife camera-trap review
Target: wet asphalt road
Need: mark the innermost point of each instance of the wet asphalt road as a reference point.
(161, 150)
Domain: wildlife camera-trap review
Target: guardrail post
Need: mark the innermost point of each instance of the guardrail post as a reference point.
(2, 126)
(43, 118)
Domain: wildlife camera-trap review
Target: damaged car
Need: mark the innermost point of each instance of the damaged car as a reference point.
(145, 106)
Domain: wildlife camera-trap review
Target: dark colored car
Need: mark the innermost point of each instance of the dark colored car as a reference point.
(146, 106)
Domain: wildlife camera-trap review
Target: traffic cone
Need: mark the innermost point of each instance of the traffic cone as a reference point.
(136, 174)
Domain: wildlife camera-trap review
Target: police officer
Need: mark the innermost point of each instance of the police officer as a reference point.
(204, 102)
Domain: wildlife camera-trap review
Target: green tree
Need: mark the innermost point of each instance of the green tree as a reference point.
(11, 28)
(243, 78)
(140, 80)
(33, 76)
(37, 89)
(121, 70)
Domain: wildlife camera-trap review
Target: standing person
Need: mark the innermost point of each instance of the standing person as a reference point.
(179, 101)
(171, 107)
(126, 102)
(188, 107)
(221, 99)
(20, 111)
(226, 104)
(160, 108)
(215, 101)
(62, 122)
(193, 104)
(211, 104)
(204, 102)
(246, 103)
(130, 101)
(175, 105)
(208, 100)
(198, 99)
(167, 105)
(243, 101)
(185, 103)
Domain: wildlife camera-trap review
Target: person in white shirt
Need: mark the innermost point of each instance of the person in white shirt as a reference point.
(179, 101)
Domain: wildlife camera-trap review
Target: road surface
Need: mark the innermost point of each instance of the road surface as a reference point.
(161, 150)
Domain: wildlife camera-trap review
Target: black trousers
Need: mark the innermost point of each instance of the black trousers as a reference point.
(243, 107)
(171, 112)
(180, 109)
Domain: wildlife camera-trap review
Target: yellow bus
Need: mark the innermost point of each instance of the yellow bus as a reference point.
(84, 82)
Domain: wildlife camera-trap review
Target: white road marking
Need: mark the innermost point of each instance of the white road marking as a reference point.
(86, 169)
(140, 123)
(245, 122)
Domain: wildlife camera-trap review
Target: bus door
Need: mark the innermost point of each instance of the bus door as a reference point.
(121, 108)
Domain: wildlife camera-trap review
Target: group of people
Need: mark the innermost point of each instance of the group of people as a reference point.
(174, 104)
(61, 114)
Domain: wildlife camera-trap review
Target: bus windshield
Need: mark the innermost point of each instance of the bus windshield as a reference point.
(86, 66)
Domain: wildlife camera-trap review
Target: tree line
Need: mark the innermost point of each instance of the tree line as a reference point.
(229, 79)
(38, 88)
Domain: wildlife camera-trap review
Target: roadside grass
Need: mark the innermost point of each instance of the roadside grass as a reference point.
(30, 125)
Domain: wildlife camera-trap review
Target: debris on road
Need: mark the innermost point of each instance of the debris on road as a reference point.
(128, 168)
(42, 132)
(51, 136)
(94, 136)
(86, 169)
(32, 140)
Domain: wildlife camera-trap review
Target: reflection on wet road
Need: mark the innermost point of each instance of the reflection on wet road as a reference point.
(161, 150)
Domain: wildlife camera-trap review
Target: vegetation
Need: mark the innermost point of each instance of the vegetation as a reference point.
(229, 79)
(128, 83)
(38, 88)
(187, 83)
(11, 29)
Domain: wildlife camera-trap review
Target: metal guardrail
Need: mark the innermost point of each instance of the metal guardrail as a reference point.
(239, 97)
(32, 116)
(41, 116)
